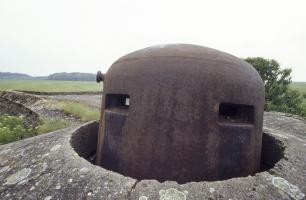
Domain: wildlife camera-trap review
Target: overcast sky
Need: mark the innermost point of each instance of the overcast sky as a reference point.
(40, 37)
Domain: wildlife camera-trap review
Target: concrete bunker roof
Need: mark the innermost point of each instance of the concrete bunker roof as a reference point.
(47, 167)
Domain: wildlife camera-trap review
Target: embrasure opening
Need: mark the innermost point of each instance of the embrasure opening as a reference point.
(236, 113)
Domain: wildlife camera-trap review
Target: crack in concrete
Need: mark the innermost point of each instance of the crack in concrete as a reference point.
(132, 188)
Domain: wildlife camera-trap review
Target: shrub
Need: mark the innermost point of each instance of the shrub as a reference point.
(12, 129)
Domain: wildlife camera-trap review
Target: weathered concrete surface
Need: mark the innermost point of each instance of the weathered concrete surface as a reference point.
(16, 109)
(46, 106)
(47, 167)
(18, 97)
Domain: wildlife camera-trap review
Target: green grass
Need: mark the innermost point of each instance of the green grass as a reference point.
(85, 112)
(49, 125)
(50, 86)
(300, 86)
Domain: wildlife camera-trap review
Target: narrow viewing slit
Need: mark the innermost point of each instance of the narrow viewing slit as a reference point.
(117, 102)
(236, 113)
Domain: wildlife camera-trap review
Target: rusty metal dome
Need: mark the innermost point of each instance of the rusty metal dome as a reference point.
(181, 112)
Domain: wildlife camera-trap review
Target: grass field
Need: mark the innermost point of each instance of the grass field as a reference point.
(300, 86)
(50, 86)
(73, 86)
(49, 125)
(85, 112)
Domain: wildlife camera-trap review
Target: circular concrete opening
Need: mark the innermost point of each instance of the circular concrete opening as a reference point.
(84, 142)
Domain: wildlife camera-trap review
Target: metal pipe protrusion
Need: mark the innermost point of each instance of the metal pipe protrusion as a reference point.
(100, 77)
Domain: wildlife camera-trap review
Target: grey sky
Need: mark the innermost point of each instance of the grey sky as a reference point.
(40, 37)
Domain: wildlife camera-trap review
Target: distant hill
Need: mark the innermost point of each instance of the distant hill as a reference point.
(64, 76)
(17, 76)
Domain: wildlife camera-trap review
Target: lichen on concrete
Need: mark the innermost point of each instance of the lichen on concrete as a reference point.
(55, 147)
(171, 194)
(288, 188)
(18, 176)
(143, 198)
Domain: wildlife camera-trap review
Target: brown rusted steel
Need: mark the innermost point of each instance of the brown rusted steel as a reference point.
(183, 113)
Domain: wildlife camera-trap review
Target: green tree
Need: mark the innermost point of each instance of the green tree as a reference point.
(279, 97)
